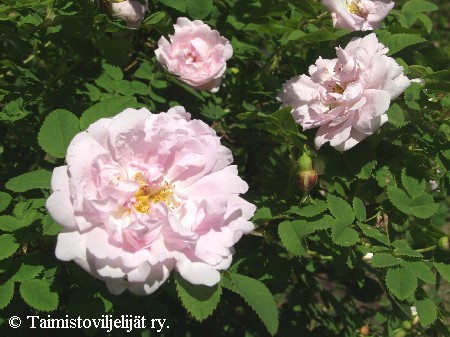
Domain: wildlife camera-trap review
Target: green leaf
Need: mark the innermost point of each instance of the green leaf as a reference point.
(419, 6)
(31, 180)
(58, 129)
(5, 200)
(412, 185)
(420, 270)
(401, 282)
(396, 116)
(373, 233)
(113, 71)
(199, 300)
(9, 223)
(343, 235)
(199, 9)
(399, 199)
(256, 294)
(426, 21)
(381, 260)
(50, 227)
(8, 245)
(27, 272)
(292, 235)
(384, 177)
(37, 294)
(312, 210)
(14, 111)
(214, 112)
(106, 108)
(6, 293)
(340, 209)
(423, 206)
(407, 252)
(397, 42)
(145, 71)
(360, 209)
(426, 310)
(157, 19)
(444, 270)
(366, 170)
(321, 34)
(186, 87)
(179, 5)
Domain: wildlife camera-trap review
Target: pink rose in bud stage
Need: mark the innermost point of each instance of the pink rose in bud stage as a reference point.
(196, 54)
(131, 11)
(358, 14)
(144, 194)
(346, 97)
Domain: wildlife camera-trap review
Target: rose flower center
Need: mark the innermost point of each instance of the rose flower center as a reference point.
(354, 6)
(338, 89)
(147, 195)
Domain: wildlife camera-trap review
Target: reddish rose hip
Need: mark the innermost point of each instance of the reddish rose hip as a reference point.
(306, 176)
(364, 330)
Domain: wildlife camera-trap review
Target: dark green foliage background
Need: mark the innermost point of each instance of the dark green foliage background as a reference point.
(64, 65)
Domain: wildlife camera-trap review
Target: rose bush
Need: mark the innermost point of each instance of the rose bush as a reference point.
(196, 54)
(346, 97)
(344, 243)
(143, 194)
(358, 14)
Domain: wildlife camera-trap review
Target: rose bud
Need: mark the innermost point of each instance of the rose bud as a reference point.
(306, 176)
(443, 245)
(131, 11)
(407, 325)
(364, 331)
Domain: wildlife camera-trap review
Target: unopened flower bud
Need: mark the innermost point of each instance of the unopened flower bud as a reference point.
(132, 11)
(443, 244)
(400, 333)
(364, 331)
(306, 176)
(368, 257)
(407, 325)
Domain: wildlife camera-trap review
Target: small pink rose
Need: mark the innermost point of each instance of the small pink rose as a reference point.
(144, 194)
(196, 54)
(132, 11)
(346, 97)
(358, 14)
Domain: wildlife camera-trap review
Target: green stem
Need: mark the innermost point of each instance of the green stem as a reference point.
(425, 250)
(373, 217)
(386, 226)
(322, 257)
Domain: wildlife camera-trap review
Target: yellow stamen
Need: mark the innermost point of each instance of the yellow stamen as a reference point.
(354, 6)
(146, 195)
(338, 89)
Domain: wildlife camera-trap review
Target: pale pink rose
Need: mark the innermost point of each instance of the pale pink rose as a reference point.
(144, 194)
(131, 11)
(196, 54)
(346, 97)
(358, 14)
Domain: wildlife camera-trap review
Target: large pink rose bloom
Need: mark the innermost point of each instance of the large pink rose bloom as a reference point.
(196, 54)
(346, 97)
(144, 194)
(358, 14)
